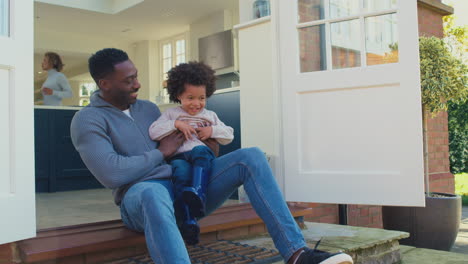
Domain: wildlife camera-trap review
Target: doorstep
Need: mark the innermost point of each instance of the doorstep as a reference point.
(104, 241)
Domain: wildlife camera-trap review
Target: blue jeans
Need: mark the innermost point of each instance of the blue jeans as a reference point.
(182, 166)
(148, 206)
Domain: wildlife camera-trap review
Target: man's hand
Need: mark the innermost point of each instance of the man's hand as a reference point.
(47, 91)
(169, 144)
(185, 128)
(213, 145)
(204, 133)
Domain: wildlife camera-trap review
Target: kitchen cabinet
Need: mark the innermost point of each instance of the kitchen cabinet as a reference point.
(58, 165)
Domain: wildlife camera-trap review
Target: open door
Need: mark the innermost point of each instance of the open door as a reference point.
(352, 122)
(17, 199)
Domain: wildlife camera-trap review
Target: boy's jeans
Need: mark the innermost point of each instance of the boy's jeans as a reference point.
(148, 206)
(183, 163)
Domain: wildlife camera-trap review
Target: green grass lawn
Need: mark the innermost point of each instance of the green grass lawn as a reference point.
(461, 186)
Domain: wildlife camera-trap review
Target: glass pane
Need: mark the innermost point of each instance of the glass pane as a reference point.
(343, 8)
(4, 18)
(381, 39)
(167, 51)
(312, 49)
(180, 59)
(346, 42)
(180, 46)
(379, 5)
(310, 10)
(167, 65)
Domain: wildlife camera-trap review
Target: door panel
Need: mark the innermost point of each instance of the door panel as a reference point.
(17, 199)
(351, 108)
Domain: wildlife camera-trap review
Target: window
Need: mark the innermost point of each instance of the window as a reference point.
(173, 51)
(4, 18)
(86, 89)
(336, 34)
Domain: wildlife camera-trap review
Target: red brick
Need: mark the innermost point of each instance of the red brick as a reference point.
(6, 254)
(257, 229)
(101, 257)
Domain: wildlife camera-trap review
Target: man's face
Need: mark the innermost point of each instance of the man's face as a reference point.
(121, 87)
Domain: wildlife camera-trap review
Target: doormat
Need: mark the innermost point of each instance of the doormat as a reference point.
(219, 252)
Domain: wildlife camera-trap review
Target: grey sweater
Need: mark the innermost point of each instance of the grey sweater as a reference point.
(117, 149)
(60, 86)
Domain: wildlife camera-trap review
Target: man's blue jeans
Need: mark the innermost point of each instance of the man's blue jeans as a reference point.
(148, 206)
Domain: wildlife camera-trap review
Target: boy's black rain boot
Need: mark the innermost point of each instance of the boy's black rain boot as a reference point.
(195, 196)
(190, 230)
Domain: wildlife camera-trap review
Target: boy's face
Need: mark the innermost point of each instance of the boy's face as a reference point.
(193, 99)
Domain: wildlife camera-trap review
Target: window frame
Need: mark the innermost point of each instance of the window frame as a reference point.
(173, 42)
(327, 21)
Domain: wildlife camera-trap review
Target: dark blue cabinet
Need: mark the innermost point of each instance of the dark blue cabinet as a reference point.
(227, 107)
(58, 165)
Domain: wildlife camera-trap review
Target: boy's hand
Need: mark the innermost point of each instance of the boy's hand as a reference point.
(185, 128)
(204, 133)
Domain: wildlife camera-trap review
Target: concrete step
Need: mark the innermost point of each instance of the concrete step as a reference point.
(365, 245)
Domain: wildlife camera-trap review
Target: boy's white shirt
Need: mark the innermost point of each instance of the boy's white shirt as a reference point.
(165, 126)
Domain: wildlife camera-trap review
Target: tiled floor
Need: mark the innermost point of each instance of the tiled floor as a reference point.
(75, 207)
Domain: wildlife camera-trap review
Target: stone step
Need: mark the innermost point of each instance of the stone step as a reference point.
(365, 245)
(412, 255)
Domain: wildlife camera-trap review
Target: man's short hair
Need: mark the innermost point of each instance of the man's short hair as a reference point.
(103, 61)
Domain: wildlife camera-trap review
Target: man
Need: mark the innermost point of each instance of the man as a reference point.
(111, 135)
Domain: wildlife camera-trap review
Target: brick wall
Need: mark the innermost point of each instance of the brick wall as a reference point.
(440, 178)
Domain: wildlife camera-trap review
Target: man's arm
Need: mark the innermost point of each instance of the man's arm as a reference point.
(162, 127)
(91, 140)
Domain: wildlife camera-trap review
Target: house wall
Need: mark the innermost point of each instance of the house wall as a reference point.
(430, 13)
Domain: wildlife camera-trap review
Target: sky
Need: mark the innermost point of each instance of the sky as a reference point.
(461, 11)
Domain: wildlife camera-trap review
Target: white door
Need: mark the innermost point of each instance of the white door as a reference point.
(352, 129)
(17, 200)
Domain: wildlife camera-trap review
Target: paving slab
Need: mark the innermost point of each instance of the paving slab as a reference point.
(461, 243)
(412, 255)
(365, 245)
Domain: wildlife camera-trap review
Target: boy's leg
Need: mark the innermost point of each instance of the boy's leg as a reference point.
(194, 195)
(250, 168)
(182, 174)
(148, 207)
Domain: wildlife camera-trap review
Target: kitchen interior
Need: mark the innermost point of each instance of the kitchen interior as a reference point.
(157, 35)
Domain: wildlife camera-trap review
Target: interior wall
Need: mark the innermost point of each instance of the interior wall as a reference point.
(217, 22)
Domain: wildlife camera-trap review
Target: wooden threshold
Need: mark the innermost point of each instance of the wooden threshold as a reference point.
(68, 241)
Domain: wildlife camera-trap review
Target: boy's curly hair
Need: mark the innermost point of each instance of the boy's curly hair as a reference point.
(194, 73)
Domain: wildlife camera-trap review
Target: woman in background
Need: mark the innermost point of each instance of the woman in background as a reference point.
(56, 85)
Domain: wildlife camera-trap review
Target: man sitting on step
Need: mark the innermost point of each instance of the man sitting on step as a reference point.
(111, 136)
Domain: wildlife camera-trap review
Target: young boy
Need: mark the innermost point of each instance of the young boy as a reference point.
(190, 84)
